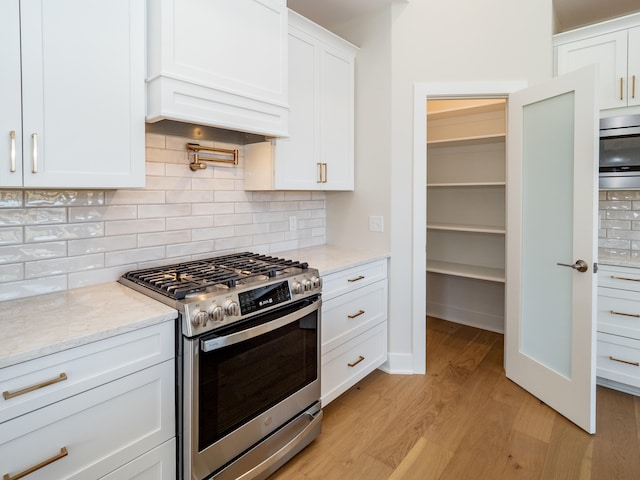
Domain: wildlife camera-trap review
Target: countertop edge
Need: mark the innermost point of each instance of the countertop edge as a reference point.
(73, 318)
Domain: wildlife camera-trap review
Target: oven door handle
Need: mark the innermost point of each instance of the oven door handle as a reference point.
(216, 343)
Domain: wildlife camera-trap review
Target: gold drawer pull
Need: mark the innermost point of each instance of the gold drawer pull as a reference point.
(7, 395)
(63, 453)
(353, 364)
(360, 312)
(625, 278)
(613, 312)
(635, 364)
(351, 280)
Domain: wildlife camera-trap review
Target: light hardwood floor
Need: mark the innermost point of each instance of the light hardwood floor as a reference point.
(465, 420)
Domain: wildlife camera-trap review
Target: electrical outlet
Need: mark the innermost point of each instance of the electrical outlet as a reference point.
(376, 223)
(293, 223)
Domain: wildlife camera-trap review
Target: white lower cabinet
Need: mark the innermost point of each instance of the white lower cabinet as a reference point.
(122, 425)
(354, 326)
(158, 464)
(618, 348)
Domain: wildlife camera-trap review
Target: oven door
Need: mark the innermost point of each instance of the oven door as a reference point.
(244, 382)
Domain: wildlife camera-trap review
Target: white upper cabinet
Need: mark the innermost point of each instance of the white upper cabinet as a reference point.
(319, 152)
(72, 93)
(220, 63)
(614, 46)
(11, 111)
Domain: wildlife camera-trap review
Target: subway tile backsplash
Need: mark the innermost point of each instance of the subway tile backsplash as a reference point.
(54, 240)
(619, 227)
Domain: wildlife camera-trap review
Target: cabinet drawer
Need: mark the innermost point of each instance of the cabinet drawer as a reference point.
(346, 316)
(352, 278)
(158, 464)
(101, 429)
(618, 359)
(344, 366)
(81, 368)
(619, 312)
(624, 278)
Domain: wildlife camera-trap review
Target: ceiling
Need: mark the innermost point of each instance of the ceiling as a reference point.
(570, 13)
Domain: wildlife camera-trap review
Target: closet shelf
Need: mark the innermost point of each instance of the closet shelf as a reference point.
(474, 140)
(467, 271)
(466, 184)
(442, 109)
(460, 227)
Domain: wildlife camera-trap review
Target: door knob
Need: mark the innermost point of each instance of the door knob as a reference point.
(580, 265)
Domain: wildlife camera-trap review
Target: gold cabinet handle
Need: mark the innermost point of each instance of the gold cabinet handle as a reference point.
(12, 134)
(613, 312)
(324, 166)
(34, 152)
(620, 88)
(319, 180)
(625, 278)
(360, 312)
(351, 280)
(7, 394)
(63, 453)
(635, 364)
(633, 86)
(353, 364)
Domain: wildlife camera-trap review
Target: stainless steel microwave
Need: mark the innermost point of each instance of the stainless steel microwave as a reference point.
(620, 152)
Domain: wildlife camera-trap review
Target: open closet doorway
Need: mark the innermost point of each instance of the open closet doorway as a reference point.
(465, 220)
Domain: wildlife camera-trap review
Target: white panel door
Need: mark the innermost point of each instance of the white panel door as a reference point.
(83, 92)
(297, 155)
(609, 53)
(633, 68)
(10, 108)
(552, 219)
(337, 112)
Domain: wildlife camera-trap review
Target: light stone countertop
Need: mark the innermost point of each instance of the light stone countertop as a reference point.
(330, 259)
(36, 326)
(33, 327)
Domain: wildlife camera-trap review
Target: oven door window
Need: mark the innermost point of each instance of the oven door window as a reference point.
(241, 381)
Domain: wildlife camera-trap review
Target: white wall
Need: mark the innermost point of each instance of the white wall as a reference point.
(469, 40)
(350, 211)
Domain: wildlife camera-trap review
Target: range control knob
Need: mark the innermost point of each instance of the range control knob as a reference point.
(297, 288)
(306, 284)
(231, 308)
(199, 318)
(316, 282)
(215, 313)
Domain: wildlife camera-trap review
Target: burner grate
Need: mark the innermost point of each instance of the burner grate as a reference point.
(182, 279)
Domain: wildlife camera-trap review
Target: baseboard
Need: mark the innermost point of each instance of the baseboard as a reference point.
(470, 318)
(621, 387)
(398, 363)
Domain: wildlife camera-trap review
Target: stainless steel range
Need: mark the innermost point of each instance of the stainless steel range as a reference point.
(248, 360)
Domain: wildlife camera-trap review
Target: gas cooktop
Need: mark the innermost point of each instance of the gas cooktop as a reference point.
(183, 280)
(217, 291)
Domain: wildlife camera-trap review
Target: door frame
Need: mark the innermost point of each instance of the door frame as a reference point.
(421, 92)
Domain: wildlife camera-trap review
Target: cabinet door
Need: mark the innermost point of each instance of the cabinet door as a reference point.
(10, 112)
(609, 53)
(336, 118)
(633, 69)
(297, 155)
(83, 92)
